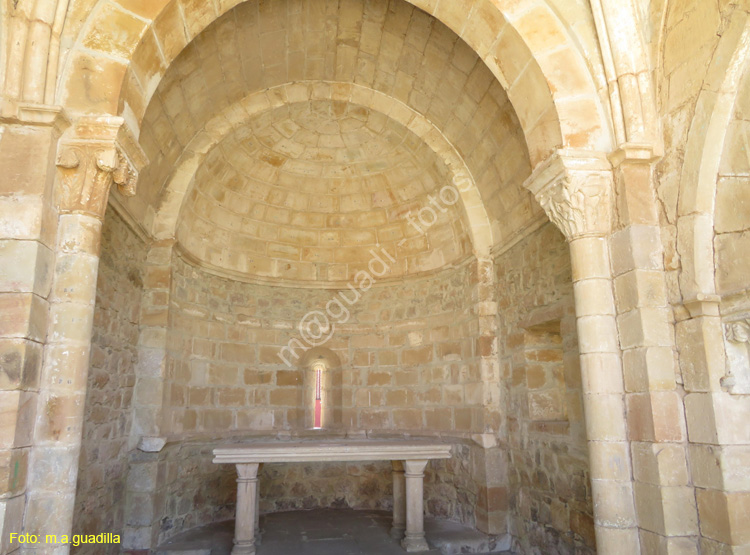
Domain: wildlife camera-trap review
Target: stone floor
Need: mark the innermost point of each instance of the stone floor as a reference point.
(332, 532)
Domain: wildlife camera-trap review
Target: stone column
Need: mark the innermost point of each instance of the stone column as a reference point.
(247, 509)
(258, 536)
(576, 192)
(399, 500)
(414, 539)
(90, 158)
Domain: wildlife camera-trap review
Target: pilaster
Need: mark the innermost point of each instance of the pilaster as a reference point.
(665, 497)
(28, 221)
(148, 403)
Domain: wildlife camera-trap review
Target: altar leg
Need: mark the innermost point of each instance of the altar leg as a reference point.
(245, 524)
(258, 536)
(399, 500)
(414, 539)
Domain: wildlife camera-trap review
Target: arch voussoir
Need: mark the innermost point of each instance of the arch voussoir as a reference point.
(521, 44)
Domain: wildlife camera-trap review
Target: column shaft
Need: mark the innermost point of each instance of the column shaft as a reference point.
(414, 539)
(399, 500)
(604, 401)
(247, 508)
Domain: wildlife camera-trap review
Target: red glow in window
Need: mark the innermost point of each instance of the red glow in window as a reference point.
(318, 398)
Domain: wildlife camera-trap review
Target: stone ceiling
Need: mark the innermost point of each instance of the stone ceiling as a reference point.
(295, 189)
(306, 191)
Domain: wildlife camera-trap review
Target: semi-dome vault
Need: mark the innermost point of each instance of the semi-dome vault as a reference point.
(309, 148)
(307, 190)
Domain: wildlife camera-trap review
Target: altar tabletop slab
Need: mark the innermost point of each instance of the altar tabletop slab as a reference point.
(309, 450)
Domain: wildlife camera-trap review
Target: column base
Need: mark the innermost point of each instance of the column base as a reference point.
(243, 548)
(397, 532)
(412, 544)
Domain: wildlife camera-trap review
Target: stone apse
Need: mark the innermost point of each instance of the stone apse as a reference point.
(517, 225)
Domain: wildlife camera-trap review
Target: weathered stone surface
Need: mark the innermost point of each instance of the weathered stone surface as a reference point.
(385, 383)
(549, 487)
(111, 379)
(314, 130)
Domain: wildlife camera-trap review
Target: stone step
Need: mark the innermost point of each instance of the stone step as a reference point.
(335, 532)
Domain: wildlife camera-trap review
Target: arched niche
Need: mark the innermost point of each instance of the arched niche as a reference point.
(322, 389)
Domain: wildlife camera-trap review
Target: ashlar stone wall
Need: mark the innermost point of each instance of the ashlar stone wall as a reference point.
(702, 187)
(408, 353)
(412, 357)
(549, 485)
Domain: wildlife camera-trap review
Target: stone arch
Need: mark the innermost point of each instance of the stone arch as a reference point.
(544, 73)
(162, 222)
(705, 147)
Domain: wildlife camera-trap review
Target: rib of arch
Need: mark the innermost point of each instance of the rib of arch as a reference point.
(162, 221)
(556, 108)
(705, 148)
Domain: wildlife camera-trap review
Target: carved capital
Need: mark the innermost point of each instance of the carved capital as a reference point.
(96, 154)
(575, 191)
(578, 205)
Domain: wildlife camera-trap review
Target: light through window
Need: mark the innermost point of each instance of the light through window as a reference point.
(318, 422)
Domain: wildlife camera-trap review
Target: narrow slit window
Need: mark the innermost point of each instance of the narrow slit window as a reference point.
(318, 397)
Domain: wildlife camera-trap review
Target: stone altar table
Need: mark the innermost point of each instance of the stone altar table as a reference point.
(408, 458)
